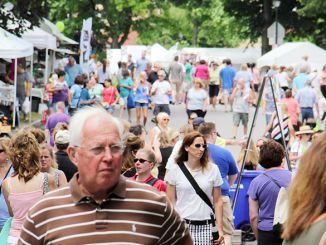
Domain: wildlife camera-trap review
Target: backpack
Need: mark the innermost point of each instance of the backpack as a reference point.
(281, 208)
(152, 181)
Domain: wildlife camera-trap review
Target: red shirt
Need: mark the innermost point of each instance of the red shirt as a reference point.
(158, 185)
(293, 105)
(109, 94)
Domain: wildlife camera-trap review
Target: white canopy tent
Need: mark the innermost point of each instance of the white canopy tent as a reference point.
(290, 53)
(157, 52)
(13, 47)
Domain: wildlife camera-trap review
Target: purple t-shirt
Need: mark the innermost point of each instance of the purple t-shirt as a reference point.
(52, 122)
(265, 191)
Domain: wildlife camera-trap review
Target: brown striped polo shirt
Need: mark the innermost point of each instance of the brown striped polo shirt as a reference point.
(133, 213)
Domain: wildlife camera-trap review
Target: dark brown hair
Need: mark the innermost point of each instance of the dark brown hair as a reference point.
(125, 73)
(207, 128)
(202, 62)
(132, 144)
(271, 154)
(38, 134)
(24, 153)
(307, 193)
(80, 80)
(183, 154)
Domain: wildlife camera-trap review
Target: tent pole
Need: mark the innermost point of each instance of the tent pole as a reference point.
(248, 145)
(30, 90)
(15, 84)
(46, 66)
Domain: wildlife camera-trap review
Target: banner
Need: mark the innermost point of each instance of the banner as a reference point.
(85, 44)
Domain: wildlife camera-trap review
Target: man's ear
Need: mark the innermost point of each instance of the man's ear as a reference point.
(72, 153)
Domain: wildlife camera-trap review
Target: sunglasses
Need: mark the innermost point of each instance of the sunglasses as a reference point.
(199, 145)
(2, 150)
(140, 160)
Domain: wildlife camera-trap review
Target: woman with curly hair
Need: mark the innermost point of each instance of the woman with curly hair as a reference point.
(50, 166)
(26, 183)
(263, 192)
(132, 145)
(195, 156)
(306, 223)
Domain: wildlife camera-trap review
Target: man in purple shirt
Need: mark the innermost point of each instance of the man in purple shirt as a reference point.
(54, 119)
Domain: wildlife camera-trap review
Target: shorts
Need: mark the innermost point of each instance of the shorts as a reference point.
(161, 108)
(141, 105)
(186, 86)
(204, 81)
(237, 116)
(256, 87)
(123, 101)
(213, 90)
(227, 92)
(228, 224)
(111, 108)
(176, 85)
(50, 104)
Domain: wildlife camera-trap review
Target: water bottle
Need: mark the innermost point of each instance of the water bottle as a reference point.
(214, 229)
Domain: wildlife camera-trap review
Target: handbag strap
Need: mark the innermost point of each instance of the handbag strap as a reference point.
(194, 184)
(272, 180)
(5, 177)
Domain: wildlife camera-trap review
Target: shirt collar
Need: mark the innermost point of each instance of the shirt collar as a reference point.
(78, 195)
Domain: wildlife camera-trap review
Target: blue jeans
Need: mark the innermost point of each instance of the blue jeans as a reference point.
(268, 118)
(306, 113)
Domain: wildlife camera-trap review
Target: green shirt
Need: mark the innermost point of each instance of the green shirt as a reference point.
(214, 77)
(188, 70)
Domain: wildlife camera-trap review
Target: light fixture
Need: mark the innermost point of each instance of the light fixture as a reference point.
(276, 3)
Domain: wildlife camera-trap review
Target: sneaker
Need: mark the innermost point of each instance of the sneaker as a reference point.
(153, 120)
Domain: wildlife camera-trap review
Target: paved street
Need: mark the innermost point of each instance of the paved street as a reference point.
(223, 121)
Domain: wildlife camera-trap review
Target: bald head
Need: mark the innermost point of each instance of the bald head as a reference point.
(60, 107)
(241, 82)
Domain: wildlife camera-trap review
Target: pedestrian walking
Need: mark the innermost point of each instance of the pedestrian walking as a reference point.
(263, 192)
(299, 80)
(283, 78)
(110, 97)
(293, 108)
(126, 84)
(302, 64)
(202, 72)
(140, 65)
(85, 99)
(227, 83)
(166, 149)
(194, 158)
(104, 72)
(268, 102)
(73, 70)
(316, 79)
(96, 88)
(142, 96)
(243, 73)
(162, 126)
(197, 99)
(75, 93)
(255, 73)
(323, 85)
(131, 145)
(242, 96)
(175, 76)
(214, 83)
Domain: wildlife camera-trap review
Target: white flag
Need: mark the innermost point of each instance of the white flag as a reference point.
(85, 44)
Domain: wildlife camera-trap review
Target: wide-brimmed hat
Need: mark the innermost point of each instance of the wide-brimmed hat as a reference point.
(198, 80)
(53, 78)
(305, 130)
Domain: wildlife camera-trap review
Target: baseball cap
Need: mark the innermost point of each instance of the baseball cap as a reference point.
(62, 137)
(197, 121)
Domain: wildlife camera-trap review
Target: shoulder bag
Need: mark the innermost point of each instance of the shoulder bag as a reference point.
(281, 208)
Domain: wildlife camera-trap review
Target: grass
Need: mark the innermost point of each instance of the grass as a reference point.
(35, 117)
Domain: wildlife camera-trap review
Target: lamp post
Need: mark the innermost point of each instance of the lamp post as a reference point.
(276, 4)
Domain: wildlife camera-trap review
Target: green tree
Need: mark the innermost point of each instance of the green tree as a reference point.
(111, 18)
(31, 10)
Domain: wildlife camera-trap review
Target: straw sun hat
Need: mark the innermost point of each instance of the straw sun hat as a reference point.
(198, 80)
(305, 130)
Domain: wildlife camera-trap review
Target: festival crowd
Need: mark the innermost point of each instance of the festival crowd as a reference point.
(93, 178)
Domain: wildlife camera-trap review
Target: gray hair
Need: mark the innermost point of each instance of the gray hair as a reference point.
(290, 68)
(60, 106)
(161, 72)
(308, 82)
(71, 58)
(156, 63)
(80, 117)
(303, 70)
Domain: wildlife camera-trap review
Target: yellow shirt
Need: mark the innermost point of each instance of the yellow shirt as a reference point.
(214, 77)
(220, 142)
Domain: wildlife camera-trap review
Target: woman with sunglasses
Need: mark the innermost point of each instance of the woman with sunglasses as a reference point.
(132, 145)
(163, 121)
(197, 214)
(6, 170)
(197, 99)
(145, 161)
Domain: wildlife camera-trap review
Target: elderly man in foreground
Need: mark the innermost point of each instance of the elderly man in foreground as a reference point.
(99, 205)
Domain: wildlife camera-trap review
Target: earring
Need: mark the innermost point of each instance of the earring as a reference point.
(7, 159)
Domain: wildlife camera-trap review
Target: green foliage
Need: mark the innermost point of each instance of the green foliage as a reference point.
(312, 7)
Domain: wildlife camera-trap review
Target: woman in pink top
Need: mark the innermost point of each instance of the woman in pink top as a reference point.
(294, 108)
(26, 184)
(256, 78)
(202, 72)
(323, 85)
(53, 77)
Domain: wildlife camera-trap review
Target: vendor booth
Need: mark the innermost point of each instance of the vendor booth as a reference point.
(12, 47)
(290, 53)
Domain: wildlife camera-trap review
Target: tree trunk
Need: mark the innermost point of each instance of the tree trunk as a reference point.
(195, 33)
(115, 43)
(46, 9)
(267, 21)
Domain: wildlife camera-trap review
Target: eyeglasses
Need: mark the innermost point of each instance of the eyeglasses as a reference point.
(2, 150)
(199, 145)
(140, 160)
(155, 67)
(160, 76)
(115, 149)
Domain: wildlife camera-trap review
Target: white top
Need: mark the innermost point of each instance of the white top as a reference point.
(300, 151)
(160, 96)
(196, 99)
(240, 104)
(189, 204)
(101, 75)
(282, 79)
(316, 80)
(174, 154)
